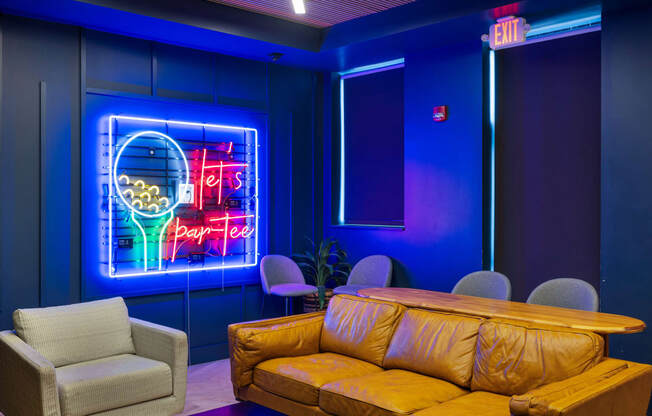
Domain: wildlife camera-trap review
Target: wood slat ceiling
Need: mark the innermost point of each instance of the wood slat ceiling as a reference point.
(319, 13)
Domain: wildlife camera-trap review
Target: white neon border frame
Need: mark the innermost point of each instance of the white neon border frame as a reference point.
(187, 269)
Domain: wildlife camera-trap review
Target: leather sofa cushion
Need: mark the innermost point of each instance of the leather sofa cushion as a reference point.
(392, 392)
(514, 357)
(253, 345)
(436, 344)
(110, 383)
(359, 327)
(76, 333)
(478, 403)
(299, 378)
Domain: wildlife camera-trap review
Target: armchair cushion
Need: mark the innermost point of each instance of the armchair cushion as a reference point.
(299, 378)
(359, 327)
(76, 333)
(389, 393)
(110, 383)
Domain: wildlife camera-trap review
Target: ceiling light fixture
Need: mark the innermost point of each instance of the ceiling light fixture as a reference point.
(299, 7)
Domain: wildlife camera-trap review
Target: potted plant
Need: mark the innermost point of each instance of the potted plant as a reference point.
(325, 263)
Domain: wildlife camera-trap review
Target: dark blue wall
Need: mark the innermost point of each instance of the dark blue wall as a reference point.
(548, 162)
(626, 260)
(41, 137)
(442, 239)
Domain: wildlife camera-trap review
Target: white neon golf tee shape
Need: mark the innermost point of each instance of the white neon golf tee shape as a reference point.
(135, 212)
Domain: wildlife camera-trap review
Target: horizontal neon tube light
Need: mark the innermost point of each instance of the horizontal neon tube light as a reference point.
(187, 269)
(561, 26)
(381, 66)
(184, 123)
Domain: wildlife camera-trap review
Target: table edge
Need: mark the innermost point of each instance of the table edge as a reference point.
(603, 330)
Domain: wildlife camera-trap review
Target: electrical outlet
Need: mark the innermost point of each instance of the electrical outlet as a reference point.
(186, 193)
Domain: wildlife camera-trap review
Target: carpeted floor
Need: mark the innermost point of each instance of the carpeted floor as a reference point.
(209, 387)
(241, 409)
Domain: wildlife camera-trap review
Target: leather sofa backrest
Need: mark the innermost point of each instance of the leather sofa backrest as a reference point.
(359, 327)
(75, 333)
(515, 357)
(440, 345)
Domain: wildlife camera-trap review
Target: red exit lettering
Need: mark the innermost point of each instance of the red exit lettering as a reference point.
(508, 31)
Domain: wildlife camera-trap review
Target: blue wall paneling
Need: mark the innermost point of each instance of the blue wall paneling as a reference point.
(626, 224)
(86, 74)
(40, 112)
(183, 73)
(548, 173)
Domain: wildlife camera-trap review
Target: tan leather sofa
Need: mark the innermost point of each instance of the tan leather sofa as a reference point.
(91, 358)
(368, 357)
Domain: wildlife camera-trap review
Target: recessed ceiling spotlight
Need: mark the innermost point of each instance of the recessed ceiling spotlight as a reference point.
(299, 6)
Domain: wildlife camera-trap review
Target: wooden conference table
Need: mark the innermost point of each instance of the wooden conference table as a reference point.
(601, 323)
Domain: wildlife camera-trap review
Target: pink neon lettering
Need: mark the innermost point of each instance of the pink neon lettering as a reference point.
(237, 178)
(216, 180)
(221, 224)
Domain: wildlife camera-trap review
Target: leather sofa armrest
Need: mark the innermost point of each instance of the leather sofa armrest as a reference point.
(164, 344)
(28, 383)
(613, 387)
(251, 343)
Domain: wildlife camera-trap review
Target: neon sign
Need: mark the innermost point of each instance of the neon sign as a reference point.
(190, 193)
(507, 31)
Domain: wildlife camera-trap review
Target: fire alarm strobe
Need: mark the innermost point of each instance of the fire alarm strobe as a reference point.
(440, 113)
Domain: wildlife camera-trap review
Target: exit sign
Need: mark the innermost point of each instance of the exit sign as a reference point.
(507, 31)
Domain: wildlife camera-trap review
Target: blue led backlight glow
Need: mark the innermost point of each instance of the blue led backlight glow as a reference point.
(154, 227)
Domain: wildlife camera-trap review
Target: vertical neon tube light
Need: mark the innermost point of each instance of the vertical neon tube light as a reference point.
(342, 161)
(142, 230)
(492, 122)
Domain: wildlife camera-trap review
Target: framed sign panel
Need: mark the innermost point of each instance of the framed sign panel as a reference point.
(183, 196)
(172, 195)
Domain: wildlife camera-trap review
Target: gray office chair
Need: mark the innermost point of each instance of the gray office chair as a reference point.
(281, 276)
(371, 271)
(485, 284)
(566, 293)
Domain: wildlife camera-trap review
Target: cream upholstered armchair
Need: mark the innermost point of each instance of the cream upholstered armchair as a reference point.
(91, 358)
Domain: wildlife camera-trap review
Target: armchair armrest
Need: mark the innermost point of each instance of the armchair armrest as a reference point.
(28, 383)
(251, 343)
(164, 344)
(613, 387)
